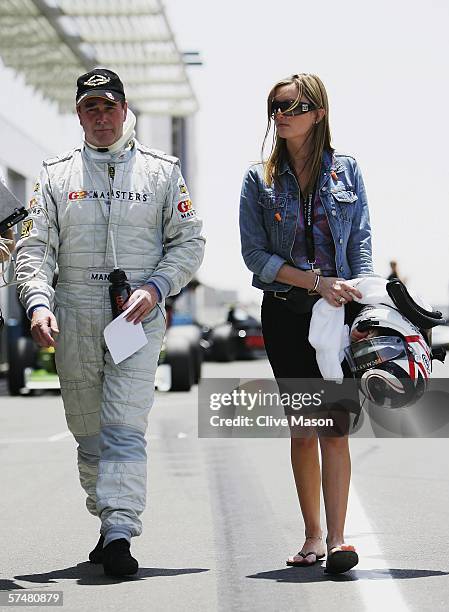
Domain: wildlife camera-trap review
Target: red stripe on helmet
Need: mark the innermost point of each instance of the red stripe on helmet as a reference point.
(411, 365)
(423, 369)
(417, 339)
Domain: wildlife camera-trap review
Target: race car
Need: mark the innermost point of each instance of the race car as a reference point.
(183, 353)
(240, 337)
(32, 368)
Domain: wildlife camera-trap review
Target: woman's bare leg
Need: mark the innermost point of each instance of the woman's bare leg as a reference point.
(306, 470)
(336, 475)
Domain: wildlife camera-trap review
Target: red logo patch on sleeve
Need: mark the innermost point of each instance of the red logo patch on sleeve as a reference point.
(185, 206)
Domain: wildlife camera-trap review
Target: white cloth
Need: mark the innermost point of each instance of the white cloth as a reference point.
(328, 334)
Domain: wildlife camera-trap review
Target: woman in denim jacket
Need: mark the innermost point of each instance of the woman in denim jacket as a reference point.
(295, 262)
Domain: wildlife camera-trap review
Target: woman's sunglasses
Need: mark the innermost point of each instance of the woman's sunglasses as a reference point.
(284, 107)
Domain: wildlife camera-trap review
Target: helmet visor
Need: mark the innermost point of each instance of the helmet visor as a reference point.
(366, 354)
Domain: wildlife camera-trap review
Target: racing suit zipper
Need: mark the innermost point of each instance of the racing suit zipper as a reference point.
(111, 177)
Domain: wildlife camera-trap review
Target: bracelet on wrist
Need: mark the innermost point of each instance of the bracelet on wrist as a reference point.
(314, 291)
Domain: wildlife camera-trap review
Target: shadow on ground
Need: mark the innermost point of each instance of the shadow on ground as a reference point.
(88, 574)
(9, 585)
(316, 574)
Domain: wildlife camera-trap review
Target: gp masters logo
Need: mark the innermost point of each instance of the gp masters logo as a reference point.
(185, 210)
(185, 206)
(78, 195)
(115, 194)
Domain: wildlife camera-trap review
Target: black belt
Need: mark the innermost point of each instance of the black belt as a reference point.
(280, 295)
(296, 298)
(293, 293)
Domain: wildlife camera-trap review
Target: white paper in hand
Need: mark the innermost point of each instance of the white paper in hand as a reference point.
(123, 338)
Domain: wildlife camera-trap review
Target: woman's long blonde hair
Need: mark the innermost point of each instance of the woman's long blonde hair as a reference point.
(310, 86)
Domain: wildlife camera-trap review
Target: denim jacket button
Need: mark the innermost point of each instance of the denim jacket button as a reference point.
(334, 212)
(341, 268)
(323, 188)
(341, 241)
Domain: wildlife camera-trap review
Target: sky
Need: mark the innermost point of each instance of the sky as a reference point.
(385, 67)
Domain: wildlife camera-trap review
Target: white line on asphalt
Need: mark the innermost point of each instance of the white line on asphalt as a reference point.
(55, 438)
(21, 440)
(59, 436)
(372, 590)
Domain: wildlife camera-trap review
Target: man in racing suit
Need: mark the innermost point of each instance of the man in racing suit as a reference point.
(112, 186)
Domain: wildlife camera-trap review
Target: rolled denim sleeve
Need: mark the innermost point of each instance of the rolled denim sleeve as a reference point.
(253, 235)
(359, 249)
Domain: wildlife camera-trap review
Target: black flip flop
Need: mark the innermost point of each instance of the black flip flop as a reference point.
(304, 555)
(341, 560)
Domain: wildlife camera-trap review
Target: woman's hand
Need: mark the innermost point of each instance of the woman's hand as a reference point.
(357, 335)
(336, 291)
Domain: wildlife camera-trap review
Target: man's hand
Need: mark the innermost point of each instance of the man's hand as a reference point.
(336, 291)
(43, 325)
(147, 296)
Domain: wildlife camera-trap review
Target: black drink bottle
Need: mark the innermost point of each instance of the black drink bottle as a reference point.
(119, 291)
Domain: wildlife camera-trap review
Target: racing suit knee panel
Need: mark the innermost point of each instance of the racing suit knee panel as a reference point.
(120, 443)
(88, 449)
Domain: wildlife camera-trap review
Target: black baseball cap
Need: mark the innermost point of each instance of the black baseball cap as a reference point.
(100, 83)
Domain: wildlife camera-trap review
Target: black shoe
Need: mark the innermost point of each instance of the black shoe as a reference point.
(96, 555)
(117, 560)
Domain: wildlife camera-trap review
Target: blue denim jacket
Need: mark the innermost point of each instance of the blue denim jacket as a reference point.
(267, 241)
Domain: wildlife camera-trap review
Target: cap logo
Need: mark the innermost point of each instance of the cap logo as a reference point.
(109, 95)
(96, 80)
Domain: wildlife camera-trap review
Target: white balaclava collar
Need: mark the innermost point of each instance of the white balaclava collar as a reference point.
(124, 142)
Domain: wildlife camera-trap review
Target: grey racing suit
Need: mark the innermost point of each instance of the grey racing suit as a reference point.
(140, 196)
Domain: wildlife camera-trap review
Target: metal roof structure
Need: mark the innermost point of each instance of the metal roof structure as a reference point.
(52, 42)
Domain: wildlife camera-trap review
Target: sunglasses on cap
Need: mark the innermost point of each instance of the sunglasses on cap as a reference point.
(285, 107)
